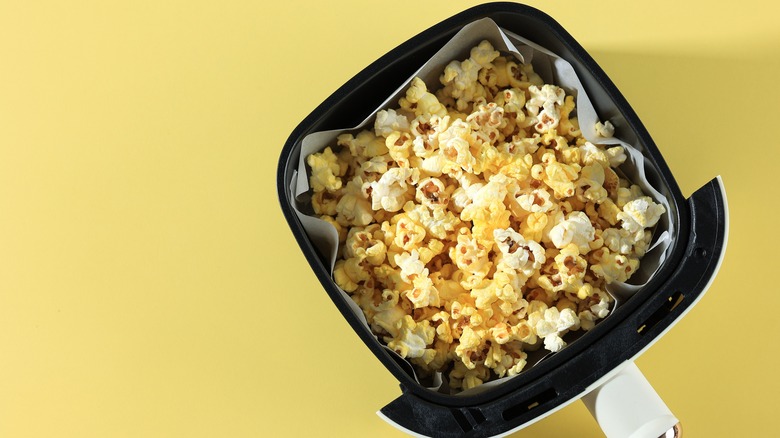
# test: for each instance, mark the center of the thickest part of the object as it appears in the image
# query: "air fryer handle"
(419, 417)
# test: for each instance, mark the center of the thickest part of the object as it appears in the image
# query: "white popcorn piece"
(431, 193)
(551, 324)
(577, 229)
(366, 144)
(470, 341)
(354, 208)
(591, 182)
(376, 165)
(410, 264)
(494, 191)
(423, 292)
(388, 319)
(640, 213)
(626, 195)
(591, 153)
(513, 101)
(466, 193)
(389, 121)
(619, 240)
(461, 75)
(483, 54)
(526, 256)
(420, 101)
(605, 129)
(545, 104)
(616, 155)
(433, 165)
(426, 132)
(601, 309)
(413, 338)
(537, 201)
(486, 121)
(390, 192)
(437, 221)
(613, 267)
(360, 243)
(471, 256)
(455, 146)
(545, 97)
(554, 343)
(571, 269)
(408, 234)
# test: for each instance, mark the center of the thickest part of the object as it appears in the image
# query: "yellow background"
(150, 287)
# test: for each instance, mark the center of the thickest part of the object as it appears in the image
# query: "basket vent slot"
(519, 409)
(667, 307)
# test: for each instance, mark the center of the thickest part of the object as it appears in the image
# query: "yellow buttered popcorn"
(325, 171)
(476, 223)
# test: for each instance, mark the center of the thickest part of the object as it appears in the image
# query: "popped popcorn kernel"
(577, 229)
(419, 100)
(605, 129)
(390, 192)
(476, 223)
(325, 171)
(640, 213)
(413, 338)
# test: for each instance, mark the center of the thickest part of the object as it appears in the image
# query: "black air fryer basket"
(603, 353)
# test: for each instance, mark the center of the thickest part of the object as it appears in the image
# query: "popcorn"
(325, 171)
(362, 245)
(431, 193)
(410, 265)
(388, 320)
(413, 338)
(640, 213)
(476, 223)
(353, 208)
(518, 253)
(571, 268)
(575, 229)
(618, 240)
(419, 101)
(408, 234)
(366, 144)
(545, 103)
(626, 195)
(558, 176)
(438, 223)
(471, 257)
(390, 192)
(616, 155)
(424, 293)
(455, 145)
(389, 121)
(591, 181)
(324, 203)
(613, 267)
(605, 129)
(537, 201)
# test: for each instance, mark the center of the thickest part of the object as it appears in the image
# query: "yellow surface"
(150, 287)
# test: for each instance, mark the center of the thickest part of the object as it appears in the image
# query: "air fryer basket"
(700, 228)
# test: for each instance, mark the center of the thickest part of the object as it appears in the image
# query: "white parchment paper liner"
(553, 70)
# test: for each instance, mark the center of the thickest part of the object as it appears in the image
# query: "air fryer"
(598, 367)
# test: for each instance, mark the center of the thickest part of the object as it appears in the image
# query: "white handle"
(626, 406)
